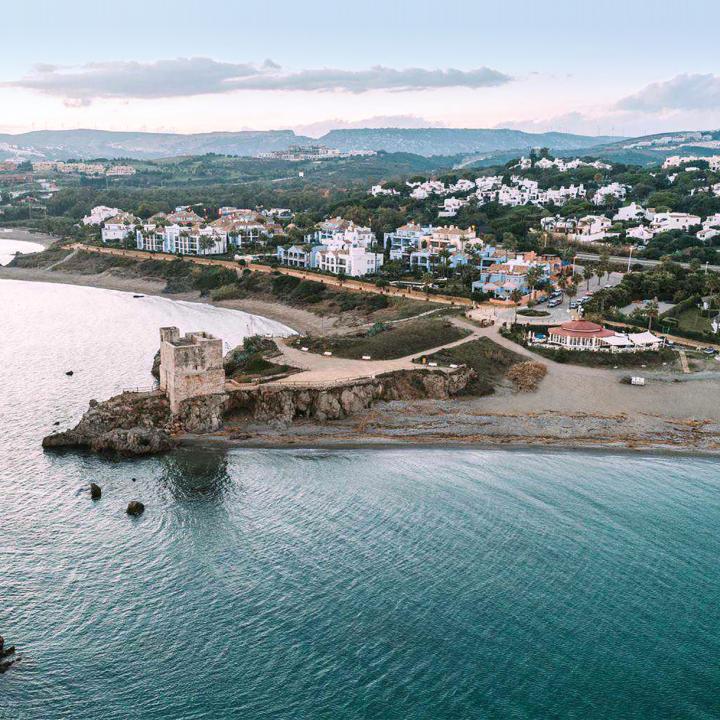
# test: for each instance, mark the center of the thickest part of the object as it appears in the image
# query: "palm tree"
(534, 275)
(652, 311)
(516, 295)
(571, 290)
(562, 284)
(588, 275)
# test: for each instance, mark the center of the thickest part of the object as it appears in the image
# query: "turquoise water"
(385, 584)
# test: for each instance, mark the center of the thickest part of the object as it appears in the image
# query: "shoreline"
(575, 408)
(600, 448)
(297, 319)
(27, 235)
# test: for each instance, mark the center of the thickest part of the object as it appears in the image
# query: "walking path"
(321, 369)
(331, 280)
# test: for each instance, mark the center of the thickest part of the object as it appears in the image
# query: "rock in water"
(5, 666)
(95, 491)
(69, 372)
(135, 508)
(9, 651)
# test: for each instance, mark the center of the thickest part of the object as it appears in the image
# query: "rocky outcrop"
(95, 491)
(278, 403)
(130, 424)
(142, 423)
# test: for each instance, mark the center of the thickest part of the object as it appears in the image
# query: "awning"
(644, 338)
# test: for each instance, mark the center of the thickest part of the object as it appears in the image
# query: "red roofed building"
(579, 335)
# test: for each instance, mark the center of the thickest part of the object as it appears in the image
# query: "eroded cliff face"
(142, 423)
(283, 404)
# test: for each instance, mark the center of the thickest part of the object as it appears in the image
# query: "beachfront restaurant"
(586, 335)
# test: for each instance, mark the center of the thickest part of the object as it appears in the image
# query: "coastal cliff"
(142, 423)
(284, 403)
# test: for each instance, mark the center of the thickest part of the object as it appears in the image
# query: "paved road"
(640, 261)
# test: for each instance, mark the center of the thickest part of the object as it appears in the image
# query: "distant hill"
(89, 144)
(653, 149)
(447, 141)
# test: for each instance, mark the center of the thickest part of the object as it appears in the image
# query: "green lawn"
(488, 359)
(692, 320)
(396, 341)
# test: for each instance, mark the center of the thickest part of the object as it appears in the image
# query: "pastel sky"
(625, 67)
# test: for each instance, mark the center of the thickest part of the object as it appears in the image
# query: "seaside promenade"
(331, 280)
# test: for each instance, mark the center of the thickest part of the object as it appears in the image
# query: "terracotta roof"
(581, 329)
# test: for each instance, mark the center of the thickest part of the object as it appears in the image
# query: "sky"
(615, 68)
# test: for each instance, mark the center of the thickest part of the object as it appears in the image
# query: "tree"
(534, 275)
(516, 295)
(571, 290)
(588, 275)
(562, 284)
(427, 280)
(652, 311)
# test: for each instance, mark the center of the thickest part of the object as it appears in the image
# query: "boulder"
(8, 651)
(135, 508)
(95, 491)
(69, 373)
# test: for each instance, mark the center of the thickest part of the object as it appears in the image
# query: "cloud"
(683, 92)
(183, 77)
(317, 129)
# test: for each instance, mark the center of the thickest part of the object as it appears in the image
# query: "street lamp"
(632, 247)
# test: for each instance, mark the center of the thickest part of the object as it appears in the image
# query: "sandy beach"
(573, 407)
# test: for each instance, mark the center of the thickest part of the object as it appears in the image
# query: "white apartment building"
(591, 228)
(666, 221)
(613, 189)
(352, 261)
(630, 212)
(118, 228)
(177, 239)
(100, 214)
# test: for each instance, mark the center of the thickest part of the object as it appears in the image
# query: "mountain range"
(89, 144)
(464, 146)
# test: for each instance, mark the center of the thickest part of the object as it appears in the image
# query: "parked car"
(709, 350)
(554, 302)
(573, 304)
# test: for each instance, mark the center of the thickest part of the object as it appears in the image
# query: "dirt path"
(331, 280)
(321, 369)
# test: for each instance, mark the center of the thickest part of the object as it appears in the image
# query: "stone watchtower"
(190, 366)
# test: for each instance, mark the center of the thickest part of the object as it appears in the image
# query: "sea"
(9, 247)
(345, 584)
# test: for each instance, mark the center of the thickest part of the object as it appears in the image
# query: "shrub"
(228, 292)
(526, 376)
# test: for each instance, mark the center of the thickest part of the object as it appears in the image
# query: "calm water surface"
(346, 584)
(9, 247)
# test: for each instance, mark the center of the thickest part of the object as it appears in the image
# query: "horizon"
(312, 69)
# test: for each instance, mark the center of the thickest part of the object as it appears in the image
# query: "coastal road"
(639, 261)
(357, 285)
